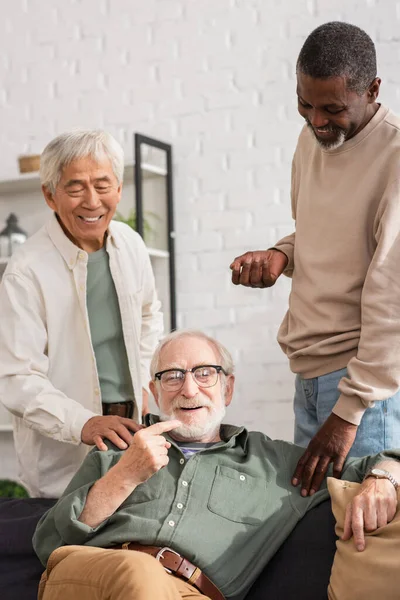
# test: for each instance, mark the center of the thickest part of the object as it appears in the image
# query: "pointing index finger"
(163, 426)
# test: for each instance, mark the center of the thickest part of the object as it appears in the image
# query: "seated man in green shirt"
(193, 508)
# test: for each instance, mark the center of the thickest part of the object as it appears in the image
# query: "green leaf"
(131, 221)
(12, 489)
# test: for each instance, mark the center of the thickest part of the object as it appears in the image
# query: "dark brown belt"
(178, 565)
(119, 409)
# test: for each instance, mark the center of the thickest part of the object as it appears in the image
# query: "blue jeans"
(313, 403)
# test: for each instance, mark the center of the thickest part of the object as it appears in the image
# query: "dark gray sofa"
(299, 571)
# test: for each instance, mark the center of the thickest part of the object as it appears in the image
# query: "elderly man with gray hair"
(79, 317)
(195, 509)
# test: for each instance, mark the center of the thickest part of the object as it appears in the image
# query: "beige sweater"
(344, 260)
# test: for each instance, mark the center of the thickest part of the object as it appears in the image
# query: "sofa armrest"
(20, 568)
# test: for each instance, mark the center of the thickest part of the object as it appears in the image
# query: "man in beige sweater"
(342, 330)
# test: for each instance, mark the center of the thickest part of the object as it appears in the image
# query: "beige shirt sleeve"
(374, 373)
(286, 244)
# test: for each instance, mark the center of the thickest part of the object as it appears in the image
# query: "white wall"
(216, 79)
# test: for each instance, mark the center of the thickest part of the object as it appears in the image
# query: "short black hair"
(339, 49)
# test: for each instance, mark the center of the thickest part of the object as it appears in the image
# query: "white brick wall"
(216, 79)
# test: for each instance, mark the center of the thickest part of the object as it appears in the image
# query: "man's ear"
(230, 386)
(48, 196)
(119, 192)
(154, 391)
(373, 90)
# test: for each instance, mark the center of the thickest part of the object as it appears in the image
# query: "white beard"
(196, 432)
(341, 138)
(333, 145)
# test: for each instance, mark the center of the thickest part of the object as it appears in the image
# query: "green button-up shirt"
(227, 509)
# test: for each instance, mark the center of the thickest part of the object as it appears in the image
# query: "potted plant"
(148, 229)
(12, 489)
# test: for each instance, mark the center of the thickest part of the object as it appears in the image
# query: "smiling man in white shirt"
(80, 318)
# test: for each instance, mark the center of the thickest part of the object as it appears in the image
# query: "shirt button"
(81, 256)
(179, 505)
(171, 523)
(97, 391)
(242, 478)
(182, 461)
(184, 483)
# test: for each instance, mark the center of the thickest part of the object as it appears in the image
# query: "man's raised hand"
(259, 269)
(147, 454)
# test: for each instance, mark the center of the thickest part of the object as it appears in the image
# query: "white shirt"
(48, 374)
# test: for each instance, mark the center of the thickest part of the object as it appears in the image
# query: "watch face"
(378, 472)
(382, 474)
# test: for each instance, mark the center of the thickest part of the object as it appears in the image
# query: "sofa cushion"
(301, 568)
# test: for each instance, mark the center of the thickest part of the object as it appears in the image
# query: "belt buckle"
(160, 554)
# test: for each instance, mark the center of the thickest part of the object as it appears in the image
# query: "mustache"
(196, 402)
(330, 128)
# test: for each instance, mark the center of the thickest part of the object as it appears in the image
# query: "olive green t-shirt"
(106, 330)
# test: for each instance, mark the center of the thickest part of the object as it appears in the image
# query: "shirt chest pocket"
(237, 496)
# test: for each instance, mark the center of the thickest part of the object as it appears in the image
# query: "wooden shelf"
(6, 428)
(155, 253)
(31, 182)
(24, 183)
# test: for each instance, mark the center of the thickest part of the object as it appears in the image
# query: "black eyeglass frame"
(218, 368)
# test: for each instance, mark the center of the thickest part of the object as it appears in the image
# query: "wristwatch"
(382, 474)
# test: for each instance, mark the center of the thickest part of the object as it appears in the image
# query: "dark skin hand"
(259, 269)
(332, 443)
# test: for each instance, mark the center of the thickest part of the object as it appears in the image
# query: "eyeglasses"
(205, 376)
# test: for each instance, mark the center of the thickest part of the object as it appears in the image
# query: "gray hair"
(224, 355)
(339, 49)
(79, 143)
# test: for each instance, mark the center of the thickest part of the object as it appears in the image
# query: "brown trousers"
(86, 573)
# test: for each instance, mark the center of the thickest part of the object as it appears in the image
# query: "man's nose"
(190, 387)
(91, 199)
(317, 118)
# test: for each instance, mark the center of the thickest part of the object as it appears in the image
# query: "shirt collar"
(68, 250)
(112, 235)
(230, 434)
